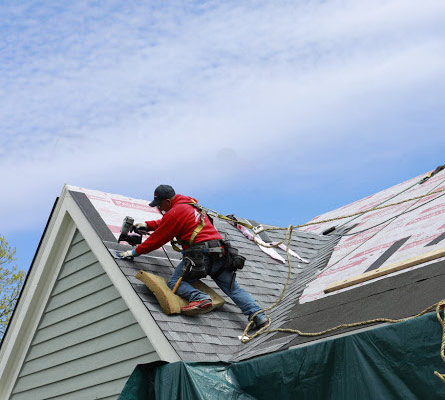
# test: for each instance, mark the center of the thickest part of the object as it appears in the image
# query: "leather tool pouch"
(234, 261)
(195, 265)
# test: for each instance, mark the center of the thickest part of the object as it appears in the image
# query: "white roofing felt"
(420, 220)
(113, 208)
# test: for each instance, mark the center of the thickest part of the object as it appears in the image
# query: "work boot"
(197, 305)
(261, 320)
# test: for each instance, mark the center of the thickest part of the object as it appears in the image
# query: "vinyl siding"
(87, 342)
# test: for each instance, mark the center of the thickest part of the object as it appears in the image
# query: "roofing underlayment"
(358, 244)
(400, 232)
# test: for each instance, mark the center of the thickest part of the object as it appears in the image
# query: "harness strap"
(200, 226)
(195, 231)
(175, 246)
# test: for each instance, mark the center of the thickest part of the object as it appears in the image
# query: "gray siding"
(88, 342)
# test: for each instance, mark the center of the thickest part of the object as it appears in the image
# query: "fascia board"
(35, 295)
(162, 346)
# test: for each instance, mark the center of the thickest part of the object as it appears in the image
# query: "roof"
(357, 244)
(215, 335)
(411, 228)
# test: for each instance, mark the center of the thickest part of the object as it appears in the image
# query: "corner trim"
(162, 346)
(29, 310)
(67, 217)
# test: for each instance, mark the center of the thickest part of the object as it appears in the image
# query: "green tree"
(11, 281)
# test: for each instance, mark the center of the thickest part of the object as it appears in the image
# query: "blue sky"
(277, 111)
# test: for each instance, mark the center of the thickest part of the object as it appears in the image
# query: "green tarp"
(390, 362)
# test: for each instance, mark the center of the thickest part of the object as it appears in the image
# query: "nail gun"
(126, 230)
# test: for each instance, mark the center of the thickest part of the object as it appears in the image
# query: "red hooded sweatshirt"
(180, 222)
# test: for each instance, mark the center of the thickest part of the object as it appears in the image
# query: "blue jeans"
(241, 298)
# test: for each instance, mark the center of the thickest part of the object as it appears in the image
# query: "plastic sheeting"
(390, 362)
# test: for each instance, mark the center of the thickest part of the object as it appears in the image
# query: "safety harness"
(195, 232)
(195, 264)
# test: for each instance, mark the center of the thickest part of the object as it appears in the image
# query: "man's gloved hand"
(140, 226)
(126, 255)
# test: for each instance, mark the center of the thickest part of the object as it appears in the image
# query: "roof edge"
(162, 346)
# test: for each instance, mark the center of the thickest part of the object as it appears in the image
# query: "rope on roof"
(245, 338)
(261, 228)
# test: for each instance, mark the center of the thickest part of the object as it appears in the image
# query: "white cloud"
(106, 95)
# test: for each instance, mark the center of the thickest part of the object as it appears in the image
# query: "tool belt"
(197, 262)
(235, 260)
(198, 259)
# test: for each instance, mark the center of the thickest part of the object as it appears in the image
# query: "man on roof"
(203, 249)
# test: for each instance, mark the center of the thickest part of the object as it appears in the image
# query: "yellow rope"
(288, 236)
(247, 338)
(250, 226)
(362, 212)
(355, 324)
(439, 306)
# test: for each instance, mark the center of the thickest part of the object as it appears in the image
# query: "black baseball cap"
(162, 192)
